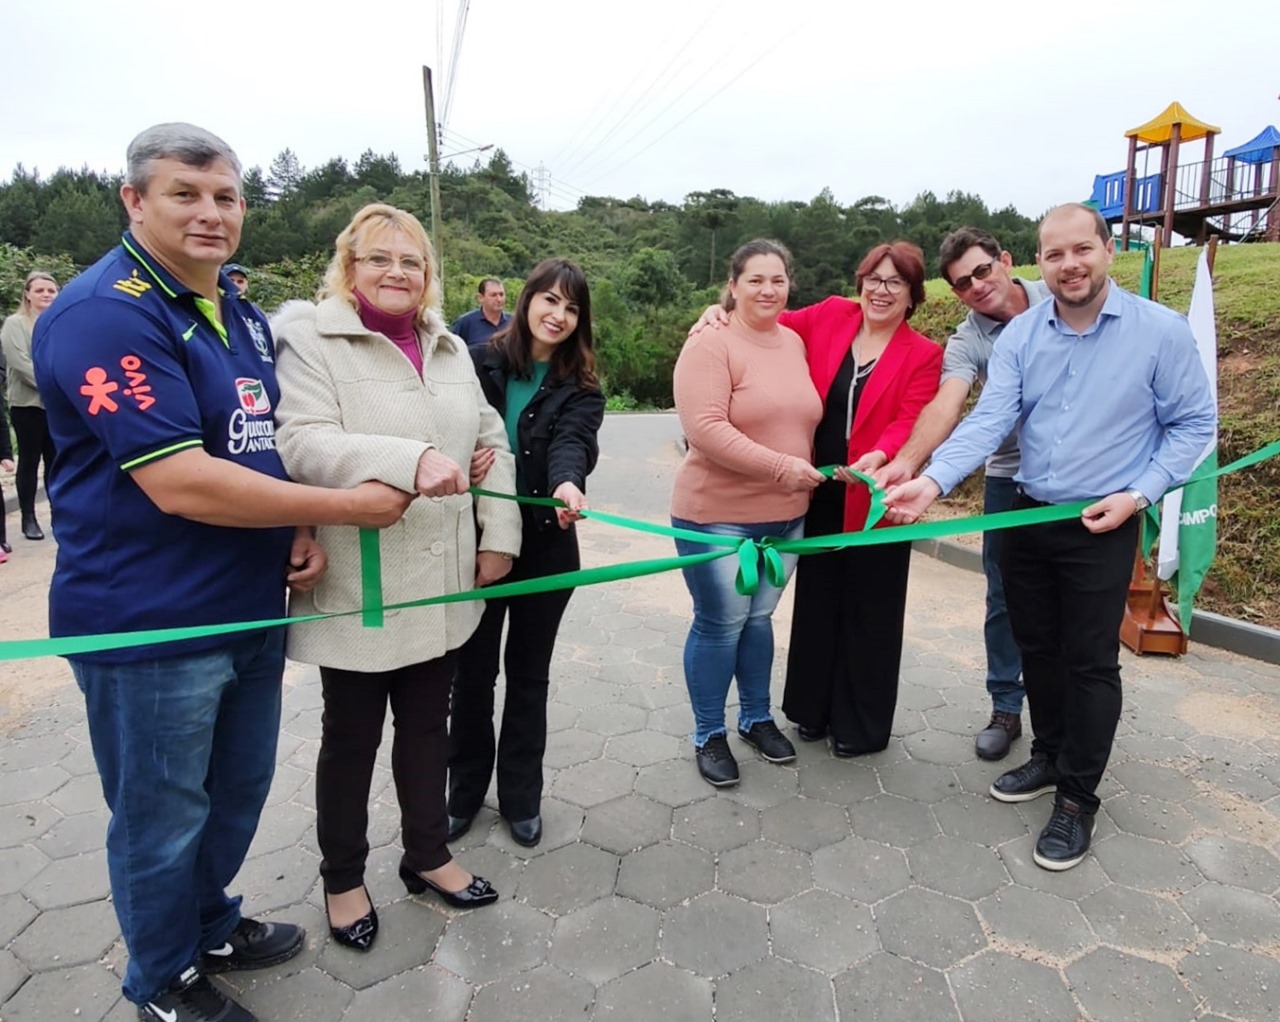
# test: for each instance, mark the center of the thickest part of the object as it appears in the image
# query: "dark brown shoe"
(994, 740)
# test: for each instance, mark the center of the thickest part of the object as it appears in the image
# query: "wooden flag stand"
(1149, 624)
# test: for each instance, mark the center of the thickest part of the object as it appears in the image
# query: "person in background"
(6, 465)
(1109, 398)
(26, 409)
(748, 410)
(239, 276)
(479, 325)
(374, 386)
(539, 374)
(174, 510)
(977, 269)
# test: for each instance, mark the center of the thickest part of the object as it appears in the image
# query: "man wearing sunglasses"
(978, 270)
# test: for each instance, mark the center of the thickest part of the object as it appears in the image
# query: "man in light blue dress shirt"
(1111, 402)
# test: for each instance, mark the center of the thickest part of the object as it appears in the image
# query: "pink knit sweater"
(746, 405)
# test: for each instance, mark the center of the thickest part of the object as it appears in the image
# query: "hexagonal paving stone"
(68, 936)
(1234, 862)
(929, 928)
(12, 974)
(1141, 922)
(310, 994)
(823, 931)
(892, 820)
(805, 823)
(27, 753)
(861, 869)
(69, 881)
(494, 942)
(1147, 865)
(589, 784)
(19, 866)
(666, 874)
(774, 989)
(1232, 982)
(1232, 916)
(921, 782)
(939, 747)
(615, 622)
(716, 824)
(763, 784)
(642, 748)
(79, 795)
(1017, 916)
(674, 783)
(959, 868)
(1116, 987)
(978, 818)
(839, 781)
(653, 693)
(86, 992)
(627, 823)
(765, 872)
(1150, 817)
(568, 878)
(36, 783)
(602, 941)
(1078, 882)
(676, 721)
(571, 746)
(992, 984)
(24, 822)
(1252, 783)
(1154, 781)
(638, 638)
(715, 934)
(657, 991)
(618, 719)
(408, 932)
(588, 693)
(434, 996)
(545, 994)
(277, 879)
(15, 913)
(887, 987)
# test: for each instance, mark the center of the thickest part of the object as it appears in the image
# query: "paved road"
(886, 888)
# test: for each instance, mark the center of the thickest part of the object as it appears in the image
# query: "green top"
(519, 393)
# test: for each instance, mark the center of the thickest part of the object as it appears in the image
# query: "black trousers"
(34, 445)
(532, 623)
(355, 705)
(846, 634)
(1066, 589)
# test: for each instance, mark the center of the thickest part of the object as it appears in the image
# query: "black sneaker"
(1036, 777)
(192, 998)
(767, 740)
(1065, 838)
(254, 945)
(716, 762)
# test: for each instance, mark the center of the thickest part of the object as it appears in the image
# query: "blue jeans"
(1004, 660)
(731, 634)
(186, 748)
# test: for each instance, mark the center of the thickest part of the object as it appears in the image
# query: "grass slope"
(1245, 580)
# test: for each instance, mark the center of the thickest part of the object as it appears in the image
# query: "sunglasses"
(980, 272)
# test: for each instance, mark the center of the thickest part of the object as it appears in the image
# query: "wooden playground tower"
(1235, 196)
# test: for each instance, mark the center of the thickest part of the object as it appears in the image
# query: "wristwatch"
(1140, 502)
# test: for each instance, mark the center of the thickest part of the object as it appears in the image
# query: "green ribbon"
(371, 577)
(749, 553)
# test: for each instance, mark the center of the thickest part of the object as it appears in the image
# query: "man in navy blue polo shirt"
(173, 509)
(478, 325)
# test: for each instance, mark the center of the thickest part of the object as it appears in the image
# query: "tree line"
(653, 265)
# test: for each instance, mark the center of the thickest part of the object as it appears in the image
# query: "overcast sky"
(1021, 104)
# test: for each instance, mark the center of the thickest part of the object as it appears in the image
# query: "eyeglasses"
(893, 285)
(980, 272)
(409, 264)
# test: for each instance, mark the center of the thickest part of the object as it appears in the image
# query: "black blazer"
(556, 433)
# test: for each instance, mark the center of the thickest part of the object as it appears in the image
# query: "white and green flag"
(1189, 517)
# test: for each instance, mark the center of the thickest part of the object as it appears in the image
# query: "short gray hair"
(176, 140)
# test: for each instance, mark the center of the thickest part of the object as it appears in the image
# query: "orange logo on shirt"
(139, 389)
(96, 388)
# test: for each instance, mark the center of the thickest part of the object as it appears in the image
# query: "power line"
(459, 29)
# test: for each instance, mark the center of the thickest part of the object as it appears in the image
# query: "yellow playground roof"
(1160, 129)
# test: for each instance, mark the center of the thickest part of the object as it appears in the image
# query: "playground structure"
(1235, 196)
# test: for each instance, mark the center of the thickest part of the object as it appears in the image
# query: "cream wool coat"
(352, 408)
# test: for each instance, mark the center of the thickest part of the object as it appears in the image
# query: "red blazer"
(904, 380)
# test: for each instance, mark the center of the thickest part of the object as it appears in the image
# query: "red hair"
(907, 259)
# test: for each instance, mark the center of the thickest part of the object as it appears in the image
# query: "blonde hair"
(24, 306)
(373, 219)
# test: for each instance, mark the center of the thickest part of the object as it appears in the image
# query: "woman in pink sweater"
(749, 410)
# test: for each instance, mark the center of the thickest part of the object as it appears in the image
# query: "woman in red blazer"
(874, 375)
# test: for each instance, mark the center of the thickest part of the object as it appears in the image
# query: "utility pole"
(433, 169)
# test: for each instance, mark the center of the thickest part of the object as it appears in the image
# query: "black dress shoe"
(360, 934)
(526, 832)
(767, 740)
(1037, 776)
(993, 741)
(5, 547)
(31, 528)
(811, 733)
(475, 895)
(1066, 837)
(844, 750)
(459, 825)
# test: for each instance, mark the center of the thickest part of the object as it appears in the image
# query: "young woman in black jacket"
(539, 373)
